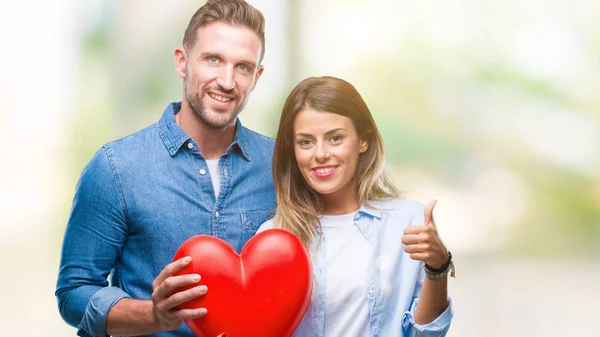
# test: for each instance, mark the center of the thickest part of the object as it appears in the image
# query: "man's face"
(221, 71)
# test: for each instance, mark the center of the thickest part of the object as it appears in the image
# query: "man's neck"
(212, 142)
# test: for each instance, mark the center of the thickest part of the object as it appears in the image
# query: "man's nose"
(226, 79)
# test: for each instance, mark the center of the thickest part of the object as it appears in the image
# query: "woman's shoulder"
(266, 225)
(399, 205)
(399, 213)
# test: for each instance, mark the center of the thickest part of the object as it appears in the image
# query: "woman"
(371, 250)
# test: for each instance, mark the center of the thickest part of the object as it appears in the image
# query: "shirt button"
(202, 171)
(225, 172)
(190, 146)
(216, 214)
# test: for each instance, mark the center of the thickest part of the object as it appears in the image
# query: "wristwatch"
(436, 274)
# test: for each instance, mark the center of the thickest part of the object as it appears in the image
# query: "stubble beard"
(216, 119)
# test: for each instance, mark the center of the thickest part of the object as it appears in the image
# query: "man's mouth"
(219, 98)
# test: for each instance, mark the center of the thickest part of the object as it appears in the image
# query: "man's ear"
(258, 74)
(180, 62)
(364, 146)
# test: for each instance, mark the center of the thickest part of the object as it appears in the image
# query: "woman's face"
(327, 150)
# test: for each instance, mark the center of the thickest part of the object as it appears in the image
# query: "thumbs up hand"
(423, 242)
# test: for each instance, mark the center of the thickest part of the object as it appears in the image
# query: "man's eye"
(244, 67)
(213, 59)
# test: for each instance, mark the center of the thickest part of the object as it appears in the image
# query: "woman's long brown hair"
(298, 205)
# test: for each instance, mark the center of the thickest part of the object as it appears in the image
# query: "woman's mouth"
(324, 171)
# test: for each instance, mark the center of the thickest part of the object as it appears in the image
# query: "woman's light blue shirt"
(394, 280)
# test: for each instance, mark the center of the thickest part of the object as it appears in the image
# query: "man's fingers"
(171, 269)
(167, 288)
(184, 314)
(429, 213)
(186, 295)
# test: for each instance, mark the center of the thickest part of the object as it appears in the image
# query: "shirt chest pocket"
(251, 221)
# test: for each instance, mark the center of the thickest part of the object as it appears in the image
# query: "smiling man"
(196, 171)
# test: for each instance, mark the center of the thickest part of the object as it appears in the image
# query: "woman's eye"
(336, 138)
(304, 143)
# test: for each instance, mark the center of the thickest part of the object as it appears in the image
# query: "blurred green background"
(491, 107)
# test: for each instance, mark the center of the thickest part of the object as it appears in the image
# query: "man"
(196, 171)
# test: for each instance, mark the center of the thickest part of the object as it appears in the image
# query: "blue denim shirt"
(394, 279)
(139, 199)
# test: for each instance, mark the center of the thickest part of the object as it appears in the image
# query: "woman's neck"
(340, 204)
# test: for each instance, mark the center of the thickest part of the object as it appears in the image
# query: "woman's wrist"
(438, 273)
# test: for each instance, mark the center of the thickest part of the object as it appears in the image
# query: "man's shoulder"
(140, 137)
(258, 145)
(133, 148)
(258, 137)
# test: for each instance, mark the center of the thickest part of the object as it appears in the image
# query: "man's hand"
(423, 242)
(167, 315)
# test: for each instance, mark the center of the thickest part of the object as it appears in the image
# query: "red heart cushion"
(263, 292)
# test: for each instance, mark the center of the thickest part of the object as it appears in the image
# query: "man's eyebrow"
(207, 54)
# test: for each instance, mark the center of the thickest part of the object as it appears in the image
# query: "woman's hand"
(423, 242)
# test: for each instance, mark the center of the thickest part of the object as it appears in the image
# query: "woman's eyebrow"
(303, 134)
(334, 131)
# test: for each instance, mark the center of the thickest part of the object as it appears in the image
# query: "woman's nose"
(321, 152)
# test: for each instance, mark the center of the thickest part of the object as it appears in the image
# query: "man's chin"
(218, 123)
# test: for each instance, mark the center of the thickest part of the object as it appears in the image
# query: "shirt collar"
(171, 134)
(174, 137)
(241, 141)
(374, 212)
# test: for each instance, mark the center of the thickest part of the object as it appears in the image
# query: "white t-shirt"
(213, 169)
(347, 254)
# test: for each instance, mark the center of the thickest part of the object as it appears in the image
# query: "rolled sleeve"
(93, 323)
(439, 327)
(94, 237)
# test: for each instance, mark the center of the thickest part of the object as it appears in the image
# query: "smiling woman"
(333, 193)
(327, 150)
(333, 111)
